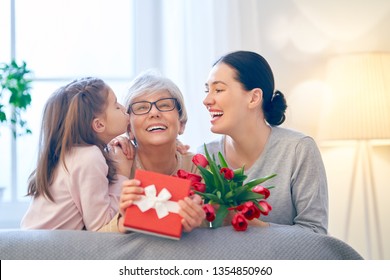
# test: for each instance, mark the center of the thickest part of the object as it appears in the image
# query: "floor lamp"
(358, 108)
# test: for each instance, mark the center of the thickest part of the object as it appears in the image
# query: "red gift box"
(144, 217)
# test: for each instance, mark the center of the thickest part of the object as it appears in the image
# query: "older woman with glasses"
(157, 116)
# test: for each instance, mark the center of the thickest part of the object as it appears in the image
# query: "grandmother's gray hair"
(152, 81)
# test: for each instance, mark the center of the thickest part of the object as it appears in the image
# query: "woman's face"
(155, 127)
(226, 100)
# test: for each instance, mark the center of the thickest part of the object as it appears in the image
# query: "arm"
(309, 187)
(130, 192)
(96, 199)
(124, 168)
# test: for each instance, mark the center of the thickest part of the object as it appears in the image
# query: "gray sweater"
(300, 196)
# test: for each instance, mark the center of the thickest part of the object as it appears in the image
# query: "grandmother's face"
(159, 126)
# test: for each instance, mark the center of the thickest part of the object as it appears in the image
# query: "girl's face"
(116, 119)
(226, 100)
(155, 127)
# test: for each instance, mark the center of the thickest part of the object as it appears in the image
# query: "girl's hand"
(192, 212)
(181, 148)
(123, 163)
(125, 144)
(131, 191)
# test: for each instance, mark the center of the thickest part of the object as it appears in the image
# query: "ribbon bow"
(160, 203)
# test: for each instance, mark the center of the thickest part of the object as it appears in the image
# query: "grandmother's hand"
(131, 191)
(192, 212)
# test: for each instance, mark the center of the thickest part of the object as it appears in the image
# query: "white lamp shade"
(358, 105)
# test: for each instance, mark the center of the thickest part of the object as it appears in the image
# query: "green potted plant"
(15, 86)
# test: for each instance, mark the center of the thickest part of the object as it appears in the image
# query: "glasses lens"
(165, 105)
(144, 107)
(140, 108)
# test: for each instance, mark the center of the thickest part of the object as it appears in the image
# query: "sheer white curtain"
(183, 38)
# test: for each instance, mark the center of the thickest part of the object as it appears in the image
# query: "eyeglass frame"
(176, 105)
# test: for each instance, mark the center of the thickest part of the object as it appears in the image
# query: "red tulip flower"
(182, 174)
(210, 212)
(261, 190)
(199, 186)
(265, 208)
(189, 176)
(227, 173)
(239, 222)
(228, 194)
(250, 210)
(194, 177)
(201, 160)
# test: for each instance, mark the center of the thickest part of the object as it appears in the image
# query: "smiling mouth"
(215, 115)
(156, 128)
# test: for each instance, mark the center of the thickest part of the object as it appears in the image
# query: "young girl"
(76, 184)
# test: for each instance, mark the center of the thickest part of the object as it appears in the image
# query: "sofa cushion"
(269, 243)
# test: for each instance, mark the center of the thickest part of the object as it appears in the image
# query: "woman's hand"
(131, 191)
(192, 212)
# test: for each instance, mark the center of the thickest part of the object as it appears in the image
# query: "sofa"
(271, 243)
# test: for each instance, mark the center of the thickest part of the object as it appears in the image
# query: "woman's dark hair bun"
(274, 110)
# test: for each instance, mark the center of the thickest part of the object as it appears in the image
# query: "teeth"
(157, 127)
(215, 114)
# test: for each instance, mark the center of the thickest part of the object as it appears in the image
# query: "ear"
(130, 133)
(256, 98)
(182, 126)
(98, 126)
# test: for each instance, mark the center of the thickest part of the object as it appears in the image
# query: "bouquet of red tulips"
(224, 190)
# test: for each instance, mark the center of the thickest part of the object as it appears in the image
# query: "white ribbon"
(160, 203)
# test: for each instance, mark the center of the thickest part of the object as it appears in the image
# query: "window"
(59, 40)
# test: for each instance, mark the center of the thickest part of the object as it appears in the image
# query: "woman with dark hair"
(247, 111)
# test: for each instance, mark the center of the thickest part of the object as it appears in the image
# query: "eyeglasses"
(144, 107)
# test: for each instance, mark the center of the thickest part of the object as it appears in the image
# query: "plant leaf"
(218, 181)
(256, 182)
(246, 196)
(207, 176)
(220, 216)
(222, 160)
(210, 197)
